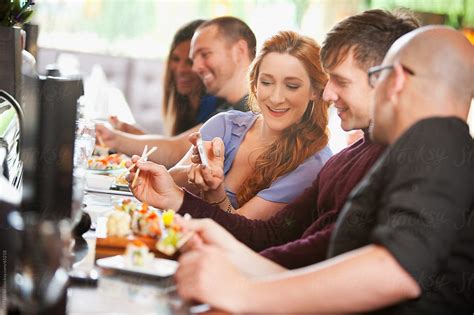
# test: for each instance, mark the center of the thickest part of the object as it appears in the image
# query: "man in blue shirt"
(222, 50)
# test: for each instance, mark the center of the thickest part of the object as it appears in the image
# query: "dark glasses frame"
(374, 73)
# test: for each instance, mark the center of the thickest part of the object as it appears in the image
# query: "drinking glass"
(41, 277)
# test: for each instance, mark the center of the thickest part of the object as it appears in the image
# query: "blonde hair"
(302, 139)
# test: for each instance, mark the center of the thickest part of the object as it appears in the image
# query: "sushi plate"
(159, 267)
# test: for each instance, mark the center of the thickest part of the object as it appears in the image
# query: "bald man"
(403, 243)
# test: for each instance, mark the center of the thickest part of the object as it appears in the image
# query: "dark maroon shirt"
(303, 226)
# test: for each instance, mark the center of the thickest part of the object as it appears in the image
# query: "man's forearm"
(253, 264)
(362, 280)
(170, 149)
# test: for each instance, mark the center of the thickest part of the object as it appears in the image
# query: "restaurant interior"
(70, 68)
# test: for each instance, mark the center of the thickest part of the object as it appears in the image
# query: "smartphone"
(202, 152)
(87, 277)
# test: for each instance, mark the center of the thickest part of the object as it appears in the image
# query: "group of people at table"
(283, 225)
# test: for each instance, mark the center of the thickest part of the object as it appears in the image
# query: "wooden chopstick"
(143, 157)
(186, 237)
(146, 155)
(101, 141)
(134, 164)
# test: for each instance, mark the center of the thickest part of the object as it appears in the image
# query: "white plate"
(110, 191)
(159, 268)
(114, 172)
(123, 187)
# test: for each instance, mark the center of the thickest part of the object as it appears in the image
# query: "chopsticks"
(181, 242)
(141, 159)
(186, 237)
(101, 141)
(144, 157)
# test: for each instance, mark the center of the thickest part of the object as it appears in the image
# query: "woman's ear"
(315, 95)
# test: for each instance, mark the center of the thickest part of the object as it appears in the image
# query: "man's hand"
(106, 136)
(123, 126)
(207, 275)
(154, 185)
(208, 232)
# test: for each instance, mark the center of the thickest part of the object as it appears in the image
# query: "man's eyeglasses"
(374, 73)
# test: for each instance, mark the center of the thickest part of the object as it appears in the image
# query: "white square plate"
(158, 268)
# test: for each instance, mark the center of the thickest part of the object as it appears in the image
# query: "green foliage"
(124, 21)
(301, 7)
(15, 12)
(459, 13)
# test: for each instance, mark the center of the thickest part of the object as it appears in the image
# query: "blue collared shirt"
(231, 127)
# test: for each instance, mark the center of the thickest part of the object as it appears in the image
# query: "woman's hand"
(209, 178)
(154, 185)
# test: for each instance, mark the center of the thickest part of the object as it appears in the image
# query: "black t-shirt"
(417, 202)
(241, 105)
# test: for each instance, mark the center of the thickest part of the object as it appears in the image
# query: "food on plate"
(168, 244)
(143, 220)
(147, 223)
(173, 239)
(100, 150)
(106, 163)
(128, 206)
(118, 224)
(168, 217)
(138, 254)
(121, 180)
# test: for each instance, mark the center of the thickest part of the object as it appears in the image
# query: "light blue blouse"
(232, 127)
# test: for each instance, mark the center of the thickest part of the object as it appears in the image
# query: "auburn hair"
(177, 110)
(301, 140)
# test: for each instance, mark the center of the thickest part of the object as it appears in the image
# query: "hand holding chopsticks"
(154, 185)
(141, 159)
(101, 141)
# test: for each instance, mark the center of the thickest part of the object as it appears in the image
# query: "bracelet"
(229, 208)
(219, 202)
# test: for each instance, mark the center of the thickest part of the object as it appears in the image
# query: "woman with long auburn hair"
(271, 154)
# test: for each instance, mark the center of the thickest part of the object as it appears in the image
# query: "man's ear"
(240, 50)
(396, 83)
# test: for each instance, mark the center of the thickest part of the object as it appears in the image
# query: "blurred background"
(120, 45)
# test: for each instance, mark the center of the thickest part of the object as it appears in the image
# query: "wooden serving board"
(112, 245)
